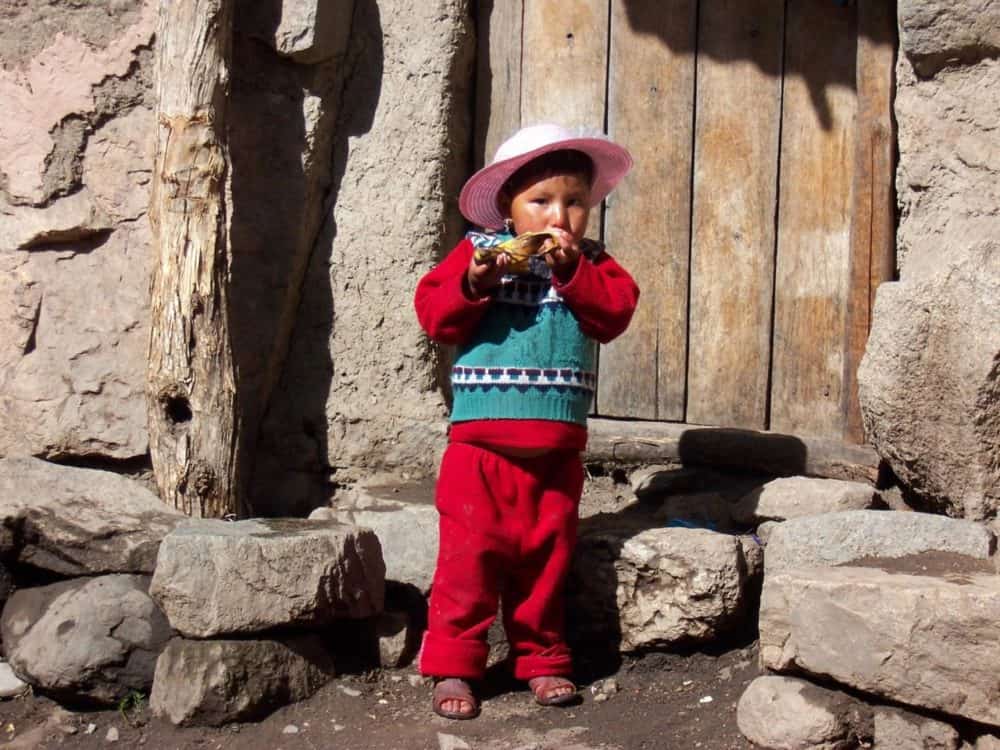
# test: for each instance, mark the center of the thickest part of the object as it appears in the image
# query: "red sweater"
(600, 293)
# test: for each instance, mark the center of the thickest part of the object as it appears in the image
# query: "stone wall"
(930, 380)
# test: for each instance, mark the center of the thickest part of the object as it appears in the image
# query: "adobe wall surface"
(349, 136)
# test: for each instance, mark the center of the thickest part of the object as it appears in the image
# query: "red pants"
(508, 527)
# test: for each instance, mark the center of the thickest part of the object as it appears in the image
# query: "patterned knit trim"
(526, 291)
(562, 377)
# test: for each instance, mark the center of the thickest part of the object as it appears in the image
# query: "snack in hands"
(519, 250)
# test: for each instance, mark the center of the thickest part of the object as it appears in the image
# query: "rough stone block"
(896, 729)
(916, 639)
(656, 587)
(787, 713)
(406, 522)
(209, 683)
(791, 497)
(79, 521)
(214, 578)
(836, 538)
(89, 638)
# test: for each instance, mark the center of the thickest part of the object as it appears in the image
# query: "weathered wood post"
(194, 422)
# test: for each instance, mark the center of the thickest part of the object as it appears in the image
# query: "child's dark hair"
(563, 161)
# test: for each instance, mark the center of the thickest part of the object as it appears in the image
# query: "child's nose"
(560, 215)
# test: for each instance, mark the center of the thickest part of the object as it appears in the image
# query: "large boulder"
(215, 682)
(787, 713)
(79, 521)
(837, 538)
(791, 497)
(88, 638)
(215, 578)
(896, 729)
(930, 382)
(912, 634)
(658, 587)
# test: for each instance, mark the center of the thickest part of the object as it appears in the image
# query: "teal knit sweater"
(528, 358)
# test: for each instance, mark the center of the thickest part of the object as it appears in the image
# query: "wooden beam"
(632, 442)
(194, 421)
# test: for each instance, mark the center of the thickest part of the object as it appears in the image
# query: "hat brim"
(478, 199)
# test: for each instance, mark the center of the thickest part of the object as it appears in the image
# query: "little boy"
(523, 380)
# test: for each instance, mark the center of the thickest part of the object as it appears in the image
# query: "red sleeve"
(445, 310)
(602, 295)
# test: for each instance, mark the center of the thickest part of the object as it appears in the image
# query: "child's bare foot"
(453, 699)
(552, 691)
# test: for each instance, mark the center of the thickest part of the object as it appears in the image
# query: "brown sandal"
(544, 690)
(454, 689)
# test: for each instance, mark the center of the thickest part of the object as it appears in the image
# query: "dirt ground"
(662, 701)
(658, 701)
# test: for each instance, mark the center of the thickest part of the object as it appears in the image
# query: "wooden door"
(758, 219)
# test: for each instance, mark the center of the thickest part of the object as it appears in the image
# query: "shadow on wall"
(805, 39)
(289, 129)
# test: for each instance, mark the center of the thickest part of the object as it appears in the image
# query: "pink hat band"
(478, 200)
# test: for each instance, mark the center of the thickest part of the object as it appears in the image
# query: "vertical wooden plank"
(734, 203)
(873, 220)
(564, 67)
(498, 75)
(565, 62)
(814, 219)
(647, 221)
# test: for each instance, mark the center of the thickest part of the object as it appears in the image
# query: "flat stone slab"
(87, 638)
(209, 683)
(836, 538)
(656, 587)
(79, 521)
(215, 578)
(792, 497)
(917, 638)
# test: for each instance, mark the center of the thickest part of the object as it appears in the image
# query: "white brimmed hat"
(478, 199)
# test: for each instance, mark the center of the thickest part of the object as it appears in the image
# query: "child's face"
(559, 200)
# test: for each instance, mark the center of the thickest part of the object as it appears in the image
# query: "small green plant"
(131, 707)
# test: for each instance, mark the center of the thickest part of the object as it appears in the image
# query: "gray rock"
(397, 640)
(214, 578)
(209, 683)
(836, 538)
(657, 587)
(311, 31)
(791, 497)
(896, 729)
(933, 33)
(79, 521)
(10, 683)
(930, 382)
(406, 523)
(786, 713)
(987, 742)
(94, 638)
(915, 639)
(654, 481)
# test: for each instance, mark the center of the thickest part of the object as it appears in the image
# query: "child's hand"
(483, 276)
(564, 257)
